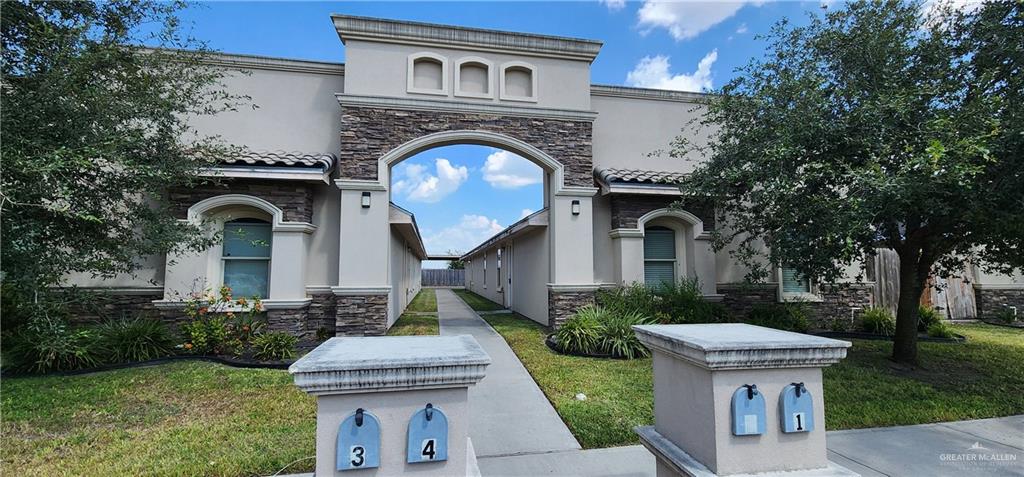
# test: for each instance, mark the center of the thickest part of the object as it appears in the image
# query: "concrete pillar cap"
(723, 346)
(346, 365)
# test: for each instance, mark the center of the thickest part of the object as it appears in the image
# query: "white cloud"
(932, 10)
(525, 213)
(471, 231)
(613, 5)
(506, 170)
(742, 29)
(419, 185)
(653, 72)
(687, 19)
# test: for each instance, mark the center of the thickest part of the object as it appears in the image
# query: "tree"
(873, 126)
(456, 264)
(95, 129)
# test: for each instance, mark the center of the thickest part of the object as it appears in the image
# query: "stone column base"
(564, 301)
(361, 315)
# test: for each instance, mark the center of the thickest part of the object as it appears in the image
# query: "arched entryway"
(560, 146)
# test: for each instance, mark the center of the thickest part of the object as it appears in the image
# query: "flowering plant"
(221, 324)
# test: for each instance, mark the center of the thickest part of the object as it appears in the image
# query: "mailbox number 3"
(428, 451)
(356, 454)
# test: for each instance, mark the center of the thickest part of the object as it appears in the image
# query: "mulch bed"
(861, 335)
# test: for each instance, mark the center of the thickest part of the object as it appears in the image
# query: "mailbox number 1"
(428, 451)
(356, 454)
(798, 421)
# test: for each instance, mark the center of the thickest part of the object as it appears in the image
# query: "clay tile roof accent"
(638, 176)
(321, 161)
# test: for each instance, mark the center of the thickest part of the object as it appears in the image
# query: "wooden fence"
(952, 297)
(440, 277)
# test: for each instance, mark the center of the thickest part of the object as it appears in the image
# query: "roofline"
(507, 231)
(415, 227)
(261, 62)
(350, 27)
(631, 92)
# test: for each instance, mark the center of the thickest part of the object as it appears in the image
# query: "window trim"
(490, 78)
(504, 96)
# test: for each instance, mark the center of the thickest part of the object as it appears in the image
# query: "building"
(341, 258)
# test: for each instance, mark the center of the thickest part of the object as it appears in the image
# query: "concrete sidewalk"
(510, 414)
(986, 447)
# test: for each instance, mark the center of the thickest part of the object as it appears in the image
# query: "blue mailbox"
(747, 411)
(358, 442)
(428, 436)
(796, 409)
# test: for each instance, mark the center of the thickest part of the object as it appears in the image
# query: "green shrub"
(137, 339)
(274, 345)
(784, 316)
(1006, 315)
(51, 344)
(209, 335)
(618, 338)
(247, 325)
(634, 298)
(926, 317)
(582, 332)
(939, 330)
(878, 321)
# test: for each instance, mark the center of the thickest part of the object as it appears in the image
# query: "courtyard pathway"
(510, 414)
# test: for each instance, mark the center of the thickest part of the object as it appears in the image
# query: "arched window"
(246, 257)
(428, 74)
(473, 78)
(659, 256)
(518, 82)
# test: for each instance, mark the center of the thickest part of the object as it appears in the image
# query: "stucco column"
(288, 263)
(738, 399)
(363, 288)
(704, 264)
(571, 232)
(372, 398)
(628, 247)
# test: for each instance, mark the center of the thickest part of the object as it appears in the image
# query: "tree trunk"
(912, 281)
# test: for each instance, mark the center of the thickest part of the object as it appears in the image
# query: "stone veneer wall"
(295, 199)
(562, 305)
(836, 302)
(361, 315)
(628, 208)
(991, 301)
(368, 133)
(97, 306)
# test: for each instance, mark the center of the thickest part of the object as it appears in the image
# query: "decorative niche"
(428, 74)
(474, 78)
(518, 82)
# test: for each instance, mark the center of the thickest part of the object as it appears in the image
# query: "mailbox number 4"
(428, 451)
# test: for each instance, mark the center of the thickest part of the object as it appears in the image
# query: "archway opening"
(482, 209)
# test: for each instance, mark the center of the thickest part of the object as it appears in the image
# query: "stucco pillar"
(571, 219)
(363, 289)
(704, 265)
(389, 383)
(701, 373)
(628, 247)
(288, 256)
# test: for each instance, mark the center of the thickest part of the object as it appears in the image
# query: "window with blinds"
(246, 257)
(659, 256)
(794, 282)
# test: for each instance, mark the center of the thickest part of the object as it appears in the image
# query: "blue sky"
(463, 194)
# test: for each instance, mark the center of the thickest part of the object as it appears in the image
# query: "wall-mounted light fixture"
(366, 200)
(575, 207)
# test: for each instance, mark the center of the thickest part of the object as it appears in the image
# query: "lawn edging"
(234, 363)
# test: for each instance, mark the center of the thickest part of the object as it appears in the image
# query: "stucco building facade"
(342, 259)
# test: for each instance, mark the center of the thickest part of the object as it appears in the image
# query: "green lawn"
(424, 302)
(408, 325)
(477, 302)
(978, 379)
(185, 418)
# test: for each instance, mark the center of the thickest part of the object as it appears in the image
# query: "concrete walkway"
(985, 447)
(510, 414)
